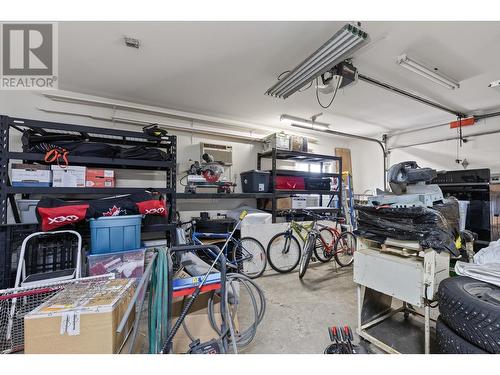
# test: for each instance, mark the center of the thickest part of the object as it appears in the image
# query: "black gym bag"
(77, 145)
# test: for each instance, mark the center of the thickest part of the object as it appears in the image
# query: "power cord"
(281, 74)
(301, 90)
(334, 93)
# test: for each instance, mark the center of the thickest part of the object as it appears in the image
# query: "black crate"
(11, 239)
(45, 253)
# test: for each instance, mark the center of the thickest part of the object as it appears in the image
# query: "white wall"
(368, 166)
(27, 104)
(480, 152)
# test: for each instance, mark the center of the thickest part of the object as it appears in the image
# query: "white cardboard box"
(72, 176)
(31, 173)
(299, 202)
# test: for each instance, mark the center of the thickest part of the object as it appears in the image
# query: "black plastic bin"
(255, 181)
(220, 225)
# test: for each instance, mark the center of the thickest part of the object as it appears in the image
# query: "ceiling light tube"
(338, 48)
(321, 67)
(428, 73)
(292, 120)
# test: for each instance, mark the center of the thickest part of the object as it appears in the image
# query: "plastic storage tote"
(115, 233)
(27, 210)
(255, 181)
(290, 183)
(124, 264)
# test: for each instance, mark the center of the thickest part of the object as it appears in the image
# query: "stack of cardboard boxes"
(34, 175)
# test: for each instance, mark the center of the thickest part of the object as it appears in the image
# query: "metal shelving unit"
(276, 155)
(224, 195)
(94, 134)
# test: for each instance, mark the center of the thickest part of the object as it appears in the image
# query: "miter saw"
(206, 177)
(409, 189)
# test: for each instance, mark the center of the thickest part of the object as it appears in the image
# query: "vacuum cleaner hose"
(258, 301)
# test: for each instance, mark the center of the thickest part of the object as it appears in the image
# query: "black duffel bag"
(77, 145)
(142, 153)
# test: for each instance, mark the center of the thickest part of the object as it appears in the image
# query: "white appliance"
(222, 154)
(396, 269)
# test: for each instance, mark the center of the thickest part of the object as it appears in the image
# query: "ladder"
(348, 200)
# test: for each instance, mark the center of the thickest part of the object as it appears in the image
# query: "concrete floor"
(299, 311)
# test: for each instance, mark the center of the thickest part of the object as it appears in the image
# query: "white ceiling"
(224, 68)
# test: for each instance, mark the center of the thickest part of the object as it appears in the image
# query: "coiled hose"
(257, 298)
(158, 302)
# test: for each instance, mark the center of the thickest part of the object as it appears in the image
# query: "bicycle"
(248, 256)
(284, 250)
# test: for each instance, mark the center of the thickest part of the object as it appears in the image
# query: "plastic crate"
(255, 181)
(115, 233)
(43, 254)
(27, 210)
(124, 264)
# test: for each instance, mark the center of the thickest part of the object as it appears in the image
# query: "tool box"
(313, 183)
(290, 183)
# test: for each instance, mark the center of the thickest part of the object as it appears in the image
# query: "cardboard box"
(100, 178)
(82, 318)
(196, 321)
(299, 203)
(298, 143)
(280, 141)
(71, 176)
(31, 175)
(308, 200)
(281, 204)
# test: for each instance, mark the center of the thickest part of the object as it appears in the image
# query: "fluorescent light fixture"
(338, 48)
(428, 73)
(300, 121)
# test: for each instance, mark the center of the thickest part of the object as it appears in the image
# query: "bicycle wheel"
(306, 255)
(344, 249)
(250, 256)
(325, 254)
(283, 252)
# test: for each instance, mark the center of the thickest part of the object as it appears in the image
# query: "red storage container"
(290, 183)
